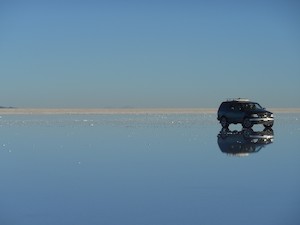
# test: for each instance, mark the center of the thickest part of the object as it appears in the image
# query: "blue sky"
(149, 53)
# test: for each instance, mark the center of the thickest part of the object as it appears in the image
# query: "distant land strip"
(61, 111)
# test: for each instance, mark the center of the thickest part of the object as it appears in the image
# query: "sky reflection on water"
(144, 169)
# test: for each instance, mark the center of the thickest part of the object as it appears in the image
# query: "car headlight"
(254, 115)
(272, 115)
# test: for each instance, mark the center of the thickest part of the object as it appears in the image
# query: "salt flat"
(50, 111)
(61, 111)
(134, 169)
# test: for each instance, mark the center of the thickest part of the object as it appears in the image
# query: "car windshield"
(251, 106)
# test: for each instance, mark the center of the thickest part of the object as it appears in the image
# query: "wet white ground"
(144, 169)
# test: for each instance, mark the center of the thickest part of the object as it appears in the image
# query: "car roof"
(238, 100)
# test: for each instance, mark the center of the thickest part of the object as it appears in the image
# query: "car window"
(236, 107)
(251, 106)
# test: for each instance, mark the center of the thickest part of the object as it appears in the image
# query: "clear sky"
(149, 53)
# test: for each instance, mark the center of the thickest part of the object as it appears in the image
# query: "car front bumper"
(262, 120)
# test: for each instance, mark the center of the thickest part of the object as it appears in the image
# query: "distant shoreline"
(103, 111)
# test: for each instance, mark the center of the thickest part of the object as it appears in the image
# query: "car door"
(236, 113)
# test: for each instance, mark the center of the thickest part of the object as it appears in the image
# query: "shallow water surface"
(151, 169)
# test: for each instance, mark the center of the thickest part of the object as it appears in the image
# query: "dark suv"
(245, 112)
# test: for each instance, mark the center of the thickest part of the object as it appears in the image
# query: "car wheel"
(268, 131)
(247, 133)
(247, 123)
(224, 122)
(223, 133)
(268, 125)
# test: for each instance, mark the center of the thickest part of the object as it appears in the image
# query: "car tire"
(268, 125)
(247, 133)
(224, 123)
(269, 131)
(247, 123)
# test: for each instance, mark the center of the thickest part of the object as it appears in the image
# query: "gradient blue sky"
(149, 53)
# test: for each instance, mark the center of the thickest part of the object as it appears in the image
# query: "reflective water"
(147, 169)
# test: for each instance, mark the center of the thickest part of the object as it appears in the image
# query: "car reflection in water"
(244, 142)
